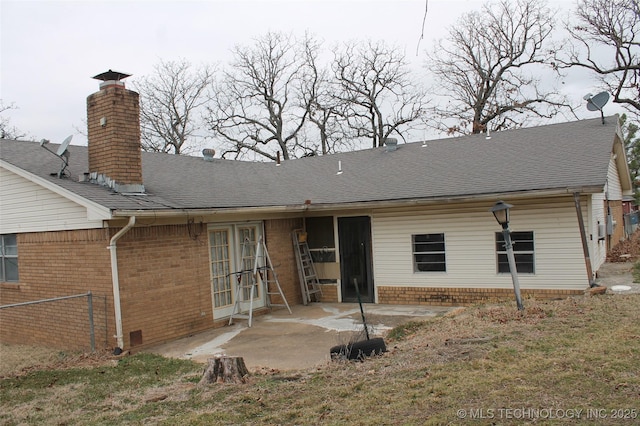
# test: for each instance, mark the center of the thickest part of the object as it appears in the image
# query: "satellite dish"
(61, 153)
(597, 102)
(63, 146)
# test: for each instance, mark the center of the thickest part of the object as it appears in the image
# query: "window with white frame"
(8, 258)
(523, 251)
(429, 253)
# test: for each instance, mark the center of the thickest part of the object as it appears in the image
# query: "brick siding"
(56, 264)
(460, 296)
(329, 293)
(114, 149)
(165, 288)
(280, 246)
(165, 284)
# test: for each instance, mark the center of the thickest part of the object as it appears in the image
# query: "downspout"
(115, 279)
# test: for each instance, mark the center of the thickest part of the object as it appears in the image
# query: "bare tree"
(631, 135)
(256, 106)
(375, 84)
(7, 131)
(487, 68)
(169, 102)
(612, 26)
(326, 111)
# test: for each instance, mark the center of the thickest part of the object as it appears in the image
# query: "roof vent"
(208, 154)
(391, 144)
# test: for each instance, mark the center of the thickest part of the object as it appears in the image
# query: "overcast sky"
(51, 49)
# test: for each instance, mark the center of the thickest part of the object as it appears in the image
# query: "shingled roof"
(558, 157)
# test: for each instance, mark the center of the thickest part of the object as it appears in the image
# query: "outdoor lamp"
(500, 211)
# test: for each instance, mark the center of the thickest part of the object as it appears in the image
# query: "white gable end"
(26, 206)
(614, 188)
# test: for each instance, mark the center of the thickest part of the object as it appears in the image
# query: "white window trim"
(515, 251)
(413, 253)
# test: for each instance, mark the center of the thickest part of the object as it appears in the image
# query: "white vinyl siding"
(470, 236)
(614, 188)
(28, 207)
(598, 248)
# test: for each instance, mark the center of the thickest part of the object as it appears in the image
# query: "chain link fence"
(631, 221)
(76, 322)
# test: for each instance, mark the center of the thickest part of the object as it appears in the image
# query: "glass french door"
(232, 251)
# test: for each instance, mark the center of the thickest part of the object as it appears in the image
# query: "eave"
(363, 205)
(95, 211)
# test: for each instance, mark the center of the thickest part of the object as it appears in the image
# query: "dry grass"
(575, 354)
(16, 358)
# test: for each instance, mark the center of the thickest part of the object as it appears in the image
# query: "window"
(522, 251)
(8, 258)
(320, 239)
(220, 267)
(429, 253)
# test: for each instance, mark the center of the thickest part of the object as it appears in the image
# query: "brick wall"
(165, 288)
(165, 285)
(329, 293)
(280, 247)
(460, 296)
(55, 264)
(114, 148)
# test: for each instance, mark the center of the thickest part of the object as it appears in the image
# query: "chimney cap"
(111, 76)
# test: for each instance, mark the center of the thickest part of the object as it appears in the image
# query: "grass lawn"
(572, 361)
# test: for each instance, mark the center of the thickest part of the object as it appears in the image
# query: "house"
(155, 238)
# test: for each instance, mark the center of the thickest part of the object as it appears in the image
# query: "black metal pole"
(364, 321)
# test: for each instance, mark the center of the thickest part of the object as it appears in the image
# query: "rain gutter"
(310, 206)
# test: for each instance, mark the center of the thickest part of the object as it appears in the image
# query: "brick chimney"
(113, 130)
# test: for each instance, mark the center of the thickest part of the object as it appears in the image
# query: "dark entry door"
(354, 235)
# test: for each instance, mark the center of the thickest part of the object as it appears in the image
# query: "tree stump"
(225, 369)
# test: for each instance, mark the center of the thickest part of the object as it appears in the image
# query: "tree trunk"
(225, 369)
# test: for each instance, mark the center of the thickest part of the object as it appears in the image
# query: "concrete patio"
(300, 340)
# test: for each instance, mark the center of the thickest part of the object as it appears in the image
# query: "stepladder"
(250, 283)
(309, 282)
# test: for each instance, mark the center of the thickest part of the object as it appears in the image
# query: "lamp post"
(500, 211)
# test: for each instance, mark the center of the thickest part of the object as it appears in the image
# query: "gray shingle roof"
(556, 156)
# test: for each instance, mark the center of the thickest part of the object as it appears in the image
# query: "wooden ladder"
(309, 283)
